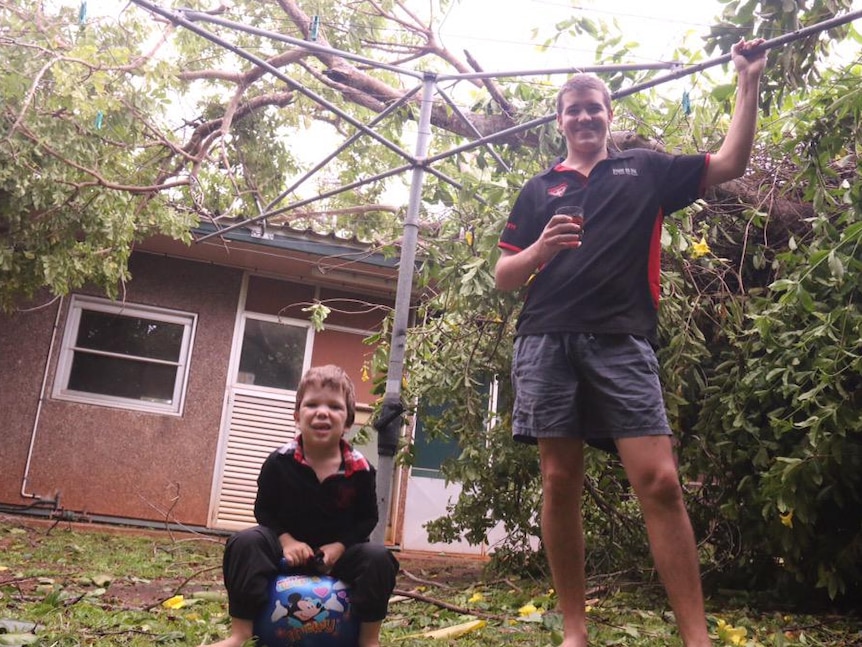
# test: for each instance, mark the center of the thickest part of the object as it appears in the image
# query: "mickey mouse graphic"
(299, 610)
(302, 609)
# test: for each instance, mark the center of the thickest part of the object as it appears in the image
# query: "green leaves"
(72, 159)
(317, 314)
(791, 381)
(760, 339)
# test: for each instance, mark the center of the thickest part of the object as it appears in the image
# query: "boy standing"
(316, 502)
(584, 368)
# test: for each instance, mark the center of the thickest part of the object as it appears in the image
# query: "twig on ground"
(446, 605)
(410, 576)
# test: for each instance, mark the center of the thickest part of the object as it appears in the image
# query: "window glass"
(123, 378)
(429, 453)
(433, 441)
(130, 335)
(272, 354)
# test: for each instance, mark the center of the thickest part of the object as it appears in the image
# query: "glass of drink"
(576, 214)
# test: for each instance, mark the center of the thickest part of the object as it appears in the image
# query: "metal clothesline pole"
(772, 43)
(622, 67)
(188, 17)
(344, 145)
(311, 46)
(390, 419)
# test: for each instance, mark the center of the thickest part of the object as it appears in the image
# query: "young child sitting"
(316, 507)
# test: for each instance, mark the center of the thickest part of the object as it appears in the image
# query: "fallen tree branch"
(450, 607)
(419, 580)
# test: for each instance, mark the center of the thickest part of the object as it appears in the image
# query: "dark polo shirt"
(610, 284)
(291, 499)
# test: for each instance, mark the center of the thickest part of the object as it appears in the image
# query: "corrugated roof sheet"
(284, 236)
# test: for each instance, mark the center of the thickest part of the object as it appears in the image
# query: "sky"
(505, 35)
(500, 33)
(502, 40)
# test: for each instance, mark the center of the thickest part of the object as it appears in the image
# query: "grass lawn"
(68, 586)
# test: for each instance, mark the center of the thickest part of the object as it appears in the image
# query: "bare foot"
(230, 641)
(574, 641)
(240, 631)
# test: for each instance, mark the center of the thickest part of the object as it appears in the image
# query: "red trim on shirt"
(351, 460)
(654, 261)
(562, 168)
(508, 247)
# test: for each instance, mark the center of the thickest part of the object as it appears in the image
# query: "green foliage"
(70, 588)
(317, 313)
(115, 130)
(74, 164)
(780, 418)
(794, 67)
(760, 349)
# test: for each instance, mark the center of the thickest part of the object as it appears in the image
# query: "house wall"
(110, 461)
(114, 462)
(25, 336)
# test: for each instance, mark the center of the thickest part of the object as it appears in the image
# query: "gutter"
(58, 515)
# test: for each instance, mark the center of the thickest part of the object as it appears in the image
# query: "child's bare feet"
(230, 641)
(240, 631)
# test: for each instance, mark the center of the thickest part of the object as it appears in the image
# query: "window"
(273, 353)
(125, 355)
(429, 453)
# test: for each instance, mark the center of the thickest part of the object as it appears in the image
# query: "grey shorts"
(589, 387)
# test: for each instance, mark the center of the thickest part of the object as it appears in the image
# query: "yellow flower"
(729, 634)
(476, 597)
(175, 602)
(530, 613)
(365, 376)
(700, 248)
(787, 518)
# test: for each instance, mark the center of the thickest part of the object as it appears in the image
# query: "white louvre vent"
(259, 423)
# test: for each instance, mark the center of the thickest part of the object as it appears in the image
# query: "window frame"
(81, 303)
